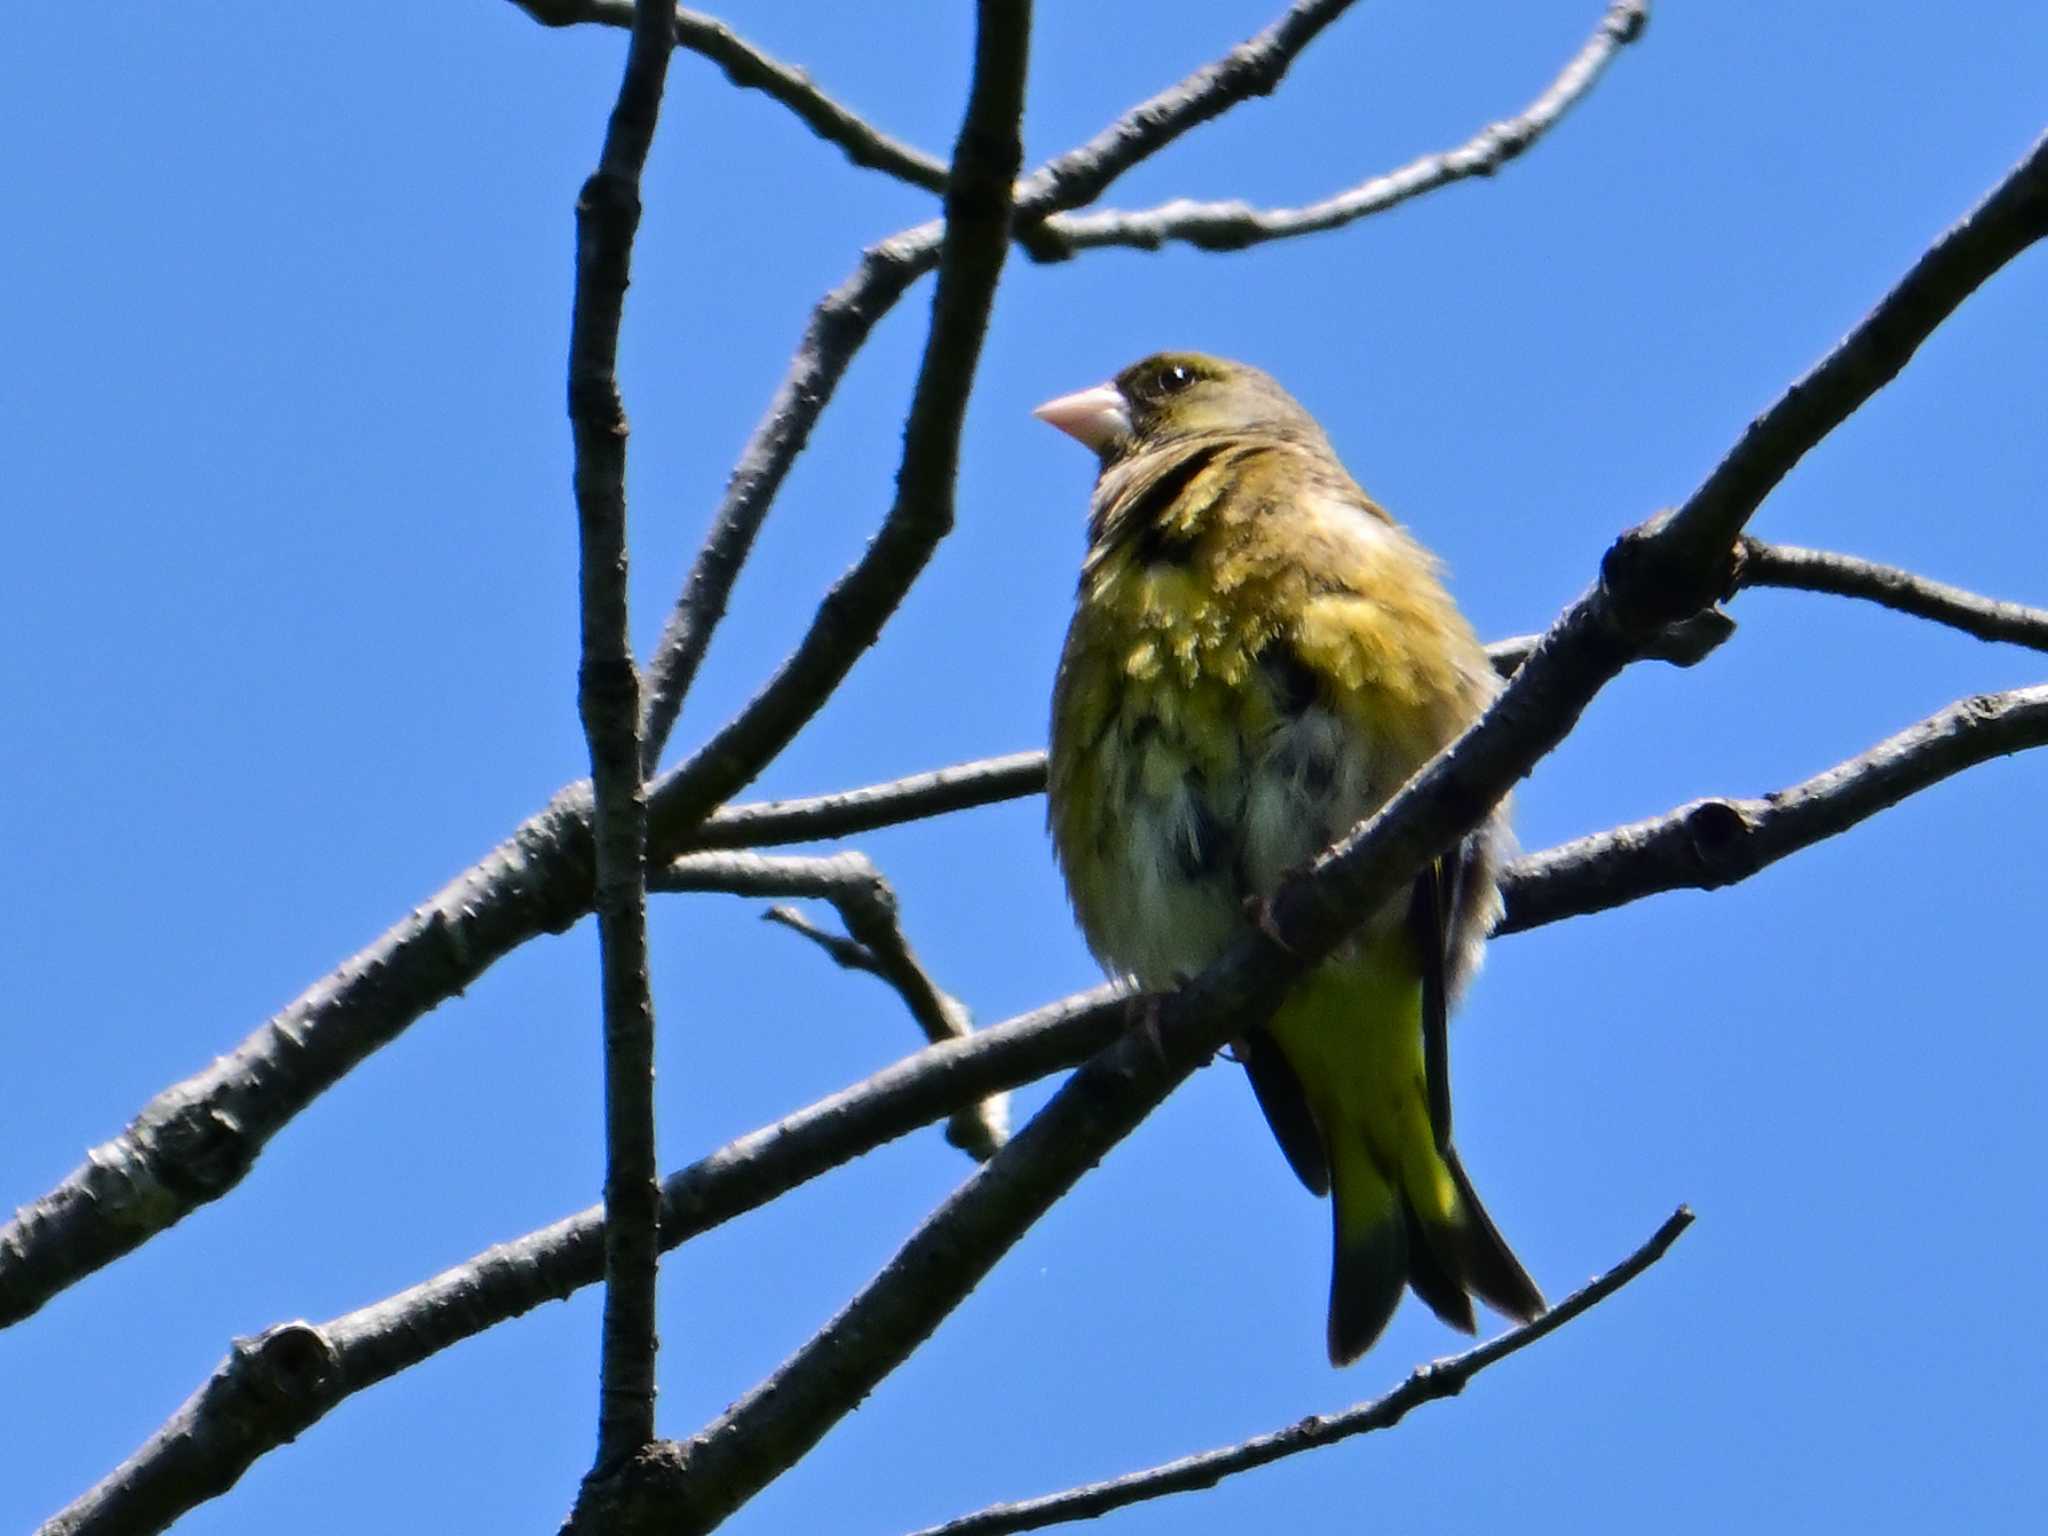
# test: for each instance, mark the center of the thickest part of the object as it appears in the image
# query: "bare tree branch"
(1231, 226)
(991, 780)
(608, 699)
(975, 241)
(838, 327)
(1707, 845)
(749, 68)
(1691, 561)
(843, 319)
(198, 1138)
(847, 954)
(262, 1395)
(1716, 842)
(963, 786)
(236, 1418)
(1425, 1384)
(1816, 570)
(195, 1141)
(868, 907)
(1683, 643)
(1253, 68)
(1662, 571)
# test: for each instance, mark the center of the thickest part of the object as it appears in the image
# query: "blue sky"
(292, 592)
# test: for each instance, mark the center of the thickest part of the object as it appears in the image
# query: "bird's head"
(1173, 397)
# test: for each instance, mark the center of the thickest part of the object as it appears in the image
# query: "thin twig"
(1817, 570)
(763, 823)
(748, 67)
(1425, 1384)
(847, 954)
(1253, 68)
(1234, 225)
(841, 323)
(1665, 570)
(1716, 842)
(848, 621)
(751, 69)
(991, 780)
(838, 327)
(868, 907)
(608, 699)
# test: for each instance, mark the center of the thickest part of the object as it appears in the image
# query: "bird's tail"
(1421, 1226)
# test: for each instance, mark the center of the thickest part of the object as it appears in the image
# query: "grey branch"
(974, 242)
(838, 327)
(1716, 842)
(991, 780)
(1234, 225)
(961, 787)
(214, 1438)
(1425, 1384)
(608, 700)
(198, 1138)
(1665, 570)
(234, 1419)
(841, 324)
(868, 907)
(1692, 560)
(1253, 68)
(749, 68)
(1817, 570)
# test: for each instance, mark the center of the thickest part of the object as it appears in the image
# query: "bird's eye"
(1174, 378)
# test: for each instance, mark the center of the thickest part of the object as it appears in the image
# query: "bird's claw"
(1260, 910)
(1145, 1024)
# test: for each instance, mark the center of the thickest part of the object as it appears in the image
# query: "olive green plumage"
(1259, 657)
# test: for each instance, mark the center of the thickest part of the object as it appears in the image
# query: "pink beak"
(1097, 417)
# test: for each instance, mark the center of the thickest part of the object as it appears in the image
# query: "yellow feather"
(1259, 657)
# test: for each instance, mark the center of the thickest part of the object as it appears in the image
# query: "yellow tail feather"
(1404, 1214)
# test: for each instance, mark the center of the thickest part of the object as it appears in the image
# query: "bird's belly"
(1193, 823)
(1171, 892)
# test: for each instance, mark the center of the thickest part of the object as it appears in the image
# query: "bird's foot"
(1145, 1011)
(1259, 909)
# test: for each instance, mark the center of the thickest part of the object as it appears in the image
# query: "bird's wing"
(1432, 915)
(1285, 1105)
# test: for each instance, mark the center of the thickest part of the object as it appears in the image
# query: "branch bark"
(1235, 225)
(1716, 842)
(1712, 843)
(1817, 570)
(750, 68)
(1659, 573)
(1425, 1384)
(991, 780)
(198, 1138)
(867, 905)
(608, 699)
(842, 321)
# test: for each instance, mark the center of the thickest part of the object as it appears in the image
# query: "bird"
(1259, 656)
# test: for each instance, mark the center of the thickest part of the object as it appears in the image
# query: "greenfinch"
(1259, 657)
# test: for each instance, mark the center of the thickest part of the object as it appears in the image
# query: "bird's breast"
(1197, 759)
